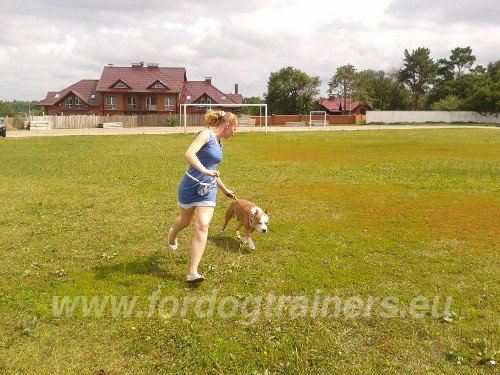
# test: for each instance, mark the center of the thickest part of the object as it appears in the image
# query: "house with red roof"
(138, 89)
(336, 106)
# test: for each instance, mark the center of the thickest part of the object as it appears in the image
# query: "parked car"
(3, 131)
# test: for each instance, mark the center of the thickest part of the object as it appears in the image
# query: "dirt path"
(241, 129)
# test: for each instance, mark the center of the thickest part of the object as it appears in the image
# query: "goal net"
(316, 121)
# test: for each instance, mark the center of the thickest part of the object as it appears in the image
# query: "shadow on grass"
(225, 242)
(141, 266)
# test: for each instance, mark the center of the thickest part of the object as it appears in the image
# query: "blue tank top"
(210, 155)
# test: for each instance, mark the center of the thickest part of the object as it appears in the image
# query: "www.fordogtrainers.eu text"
(248, 309)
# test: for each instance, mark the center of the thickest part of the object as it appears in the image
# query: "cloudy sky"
(48, 45)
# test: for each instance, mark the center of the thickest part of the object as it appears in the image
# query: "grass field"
(385, 216)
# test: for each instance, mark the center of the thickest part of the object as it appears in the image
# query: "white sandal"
(196, 278)
(172, 247)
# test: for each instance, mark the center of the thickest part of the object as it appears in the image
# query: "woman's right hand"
(212, 173)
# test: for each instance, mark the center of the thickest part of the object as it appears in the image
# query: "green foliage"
(253, 111)
(418, 72)
(19, 108)
(450, 103)
(6, 109)
(171, 121)
(343, 82)
(291, 91)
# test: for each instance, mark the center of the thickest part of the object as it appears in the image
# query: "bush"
(171, 121)
(20, 123)
(450, 103)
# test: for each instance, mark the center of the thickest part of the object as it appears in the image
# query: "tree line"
(421, 83)
(19, 108)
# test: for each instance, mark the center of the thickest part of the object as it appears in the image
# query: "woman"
(198, 187)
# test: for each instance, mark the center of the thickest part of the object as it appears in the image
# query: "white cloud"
(46, 45)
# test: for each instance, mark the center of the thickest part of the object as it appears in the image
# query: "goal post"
(215, 105)
(311, 113)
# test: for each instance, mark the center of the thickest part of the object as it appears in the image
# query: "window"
(111, 101)
(169, 104)
(131, 102)
(121, 85)
(158, 85)
(69, 102)
(151, 103)
(205, 108)
(78, 102)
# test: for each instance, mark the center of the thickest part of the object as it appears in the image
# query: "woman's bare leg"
(203, 216)
(180, 223)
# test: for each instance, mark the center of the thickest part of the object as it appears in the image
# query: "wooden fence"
(93, 121)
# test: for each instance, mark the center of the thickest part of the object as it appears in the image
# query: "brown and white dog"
(248, 215)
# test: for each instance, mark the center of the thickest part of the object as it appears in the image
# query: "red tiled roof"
(237, 98)
(193, 90)
(335, 105)
(84, 89)
(140, 78)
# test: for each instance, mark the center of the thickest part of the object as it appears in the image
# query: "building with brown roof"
(336, 106)
(138, 89)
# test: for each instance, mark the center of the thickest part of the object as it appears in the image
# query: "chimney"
(153, 65)
(208, 80)
(235, 88)
(110, 65)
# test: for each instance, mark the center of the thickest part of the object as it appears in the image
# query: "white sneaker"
(195, 278)
(172, 247)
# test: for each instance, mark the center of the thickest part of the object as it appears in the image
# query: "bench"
(292, 123)
(40, 125)
(112, 125)
(246, 122)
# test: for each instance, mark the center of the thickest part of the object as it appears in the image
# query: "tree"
(343, 82)
(485, 94)
(462, 59)
(373, 87)
(291, 91)
(399, 97)
(254, 111)
(450, 103)
(6, 109)
(455, 78)
(418, 73)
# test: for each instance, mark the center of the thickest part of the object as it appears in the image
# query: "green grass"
(374, 213)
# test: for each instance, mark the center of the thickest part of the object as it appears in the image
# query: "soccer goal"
(215, 105)
(317, 122)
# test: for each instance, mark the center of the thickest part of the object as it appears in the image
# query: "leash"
(250, 220)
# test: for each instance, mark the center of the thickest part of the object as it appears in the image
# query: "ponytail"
(214, 118)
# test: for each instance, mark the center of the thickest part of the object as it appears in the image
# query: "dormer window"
(121, 85)
(69, 102)
(158, 85)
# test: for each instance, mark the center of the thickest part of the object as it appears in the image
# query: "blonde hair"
(214, 118)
